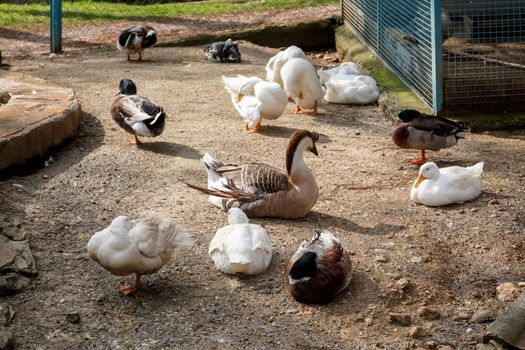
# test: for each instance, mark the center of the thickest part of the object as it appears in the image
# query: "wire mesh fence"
(476, 61)
(399, 32)
(483, 54)
(24, 25)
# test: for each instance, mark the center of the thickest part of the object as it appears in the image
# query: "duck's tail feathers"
(229, 192)
(211, 163)
(464, 131)
(174, 235)
(477, 169)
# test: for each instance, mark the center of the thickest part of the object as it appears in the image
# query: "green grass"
(93, 11)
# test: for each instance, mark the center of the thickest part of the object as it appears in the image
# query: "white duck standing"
(240, 247)
(140, 246)
(436, 187)
(274, 65)
(255, 100)
(302, 85)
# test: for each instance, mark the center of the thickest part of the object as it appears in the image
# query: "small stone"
(45, 176)
(402, 319)
(445, 347)
(404, 284)
(381, 259)
(73, 317)
(482, 316)
(469, 330)
(427, 313)
(357, 133)
(417, 332)
(6, 314)
(462, 316)
(52, 55)
(507, 292)
(521, 284)
(494, 201)
(416, 260)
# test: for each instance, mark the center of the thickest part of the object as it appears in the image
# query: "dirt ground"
(450, 259)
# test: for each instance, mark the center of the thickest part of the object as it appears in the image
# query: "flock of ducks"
(321, 267)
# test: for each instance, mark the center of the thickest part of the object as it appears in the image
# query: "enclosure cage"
(457, 55)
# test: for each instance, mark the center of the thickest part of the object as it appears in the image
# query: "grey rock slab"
(15, 256)
(509, 327)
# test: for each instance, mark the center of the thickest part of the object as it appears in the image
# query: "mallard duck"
(262, 190)
(319, 270)
(274, 65)
(136, 114)
(240, 247)
(345, 68)
(136, 39)
(302, 85)
(351, 89)
(140, 246)
(415, 130)
(223, 51)
(268, 100)
(435, 187)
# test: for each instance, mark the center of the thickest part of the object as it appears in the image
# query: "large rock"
(37, 116)
(16, 265)
(509, 328)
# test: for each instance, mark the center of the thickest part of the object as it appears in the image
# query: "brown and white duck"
(136, 39)
(319, 270)
(414, 130)
(262, 190)
(136, 114)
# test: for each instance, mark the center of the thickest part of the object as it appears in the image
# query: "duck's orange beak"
(419, 179)
(239, 98)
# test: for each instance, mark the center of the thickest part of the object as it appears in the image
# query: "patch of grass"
(88, 10)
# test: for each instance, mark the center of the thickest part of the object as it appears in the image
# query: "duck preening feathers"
(136, 39)
(414, 130)
(223, 51)
(319, 270)
(136, 114)
(140, 246)
(262, 190)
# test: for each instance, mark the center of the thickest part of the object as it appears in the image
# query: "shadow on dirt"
(171, 149)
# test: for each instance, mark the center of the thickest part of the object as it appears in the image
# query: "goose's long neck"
(297, 169)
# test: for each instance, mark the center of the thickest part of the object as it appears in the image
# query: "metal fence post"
(56, 25)
(437, 57)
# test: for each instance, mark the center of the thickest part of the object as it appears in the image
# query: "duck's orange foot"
(418, 161)
(256, 128)
(297, 110)
(313, 113)
(136, 141)
(128, 289)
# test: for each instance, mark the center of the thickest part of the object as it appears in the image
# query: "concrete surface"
(37, 116)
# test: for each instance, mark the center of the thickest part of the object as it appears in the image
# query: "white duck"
(345, 68)
(240, 247)
(351, 89)
(436, 187)
(302, 85)
(240, 85)
(268, 101)
(274, 65)
(140, 246)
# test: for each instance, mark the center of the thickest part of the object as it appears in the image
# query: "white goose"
(437, 187)
(240, 247)
(262, 190)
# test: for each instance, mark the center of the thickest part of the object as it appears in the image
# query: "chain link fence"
(24, 25)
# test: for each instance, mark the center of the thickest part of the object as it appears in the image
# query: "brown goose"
(319, 270)
(415, 130)
(262, 190)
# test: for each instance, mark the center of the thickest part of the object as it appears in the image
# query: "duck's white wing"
(135, 109)
(145, 236)
(260, 239)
